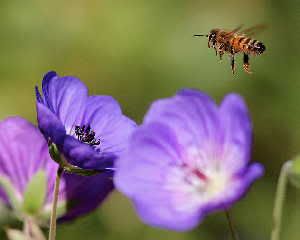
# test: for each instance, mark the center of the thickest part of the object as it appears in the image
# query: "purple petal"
(138, 172)
(85, 193)
(65, 97)
(237, 129)
(112, 128)
(4, 197)
(38, 95)
(253, 172)
(161, 214)
(23, 151)
(85, 156)
(192, 115)
(49, 124)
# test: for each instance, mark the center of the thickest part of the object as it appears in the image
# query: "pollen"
(86, 135)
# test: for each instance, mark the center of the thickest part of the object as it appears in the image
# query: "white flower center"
(197, 182)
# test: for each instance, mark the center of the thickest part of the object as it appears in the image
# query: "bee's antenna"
(200, 35)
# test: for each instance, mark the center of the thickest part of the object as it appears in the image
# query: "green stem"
(52, 231)
(231, 227)
(279, 200)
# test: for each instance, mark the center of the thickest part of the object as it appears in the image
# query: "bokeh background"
(138, 51)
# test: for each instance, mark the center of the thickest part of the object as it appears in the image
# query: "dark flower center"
(86, 135)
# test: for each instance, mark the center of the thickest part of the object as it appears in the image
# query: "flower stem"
(52, 231)
(279, 200)
(231, 227)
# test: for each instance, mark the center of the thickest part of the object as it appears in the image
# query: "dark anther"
(86, 135)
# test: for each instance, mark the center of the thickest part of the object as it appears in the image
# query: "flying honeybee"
(233, 42)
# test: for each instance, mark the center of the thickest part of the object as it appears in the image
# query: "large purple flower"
(23, 154)
(90, 131)
(189, 158)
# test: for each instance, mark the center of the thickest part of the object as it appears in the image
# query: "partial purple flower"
(23, 154)
(90, 131)
(189, 158)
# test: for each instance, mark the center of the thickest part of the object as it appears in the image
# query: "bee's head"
(259, 48)
(213, 34)
(212, 37)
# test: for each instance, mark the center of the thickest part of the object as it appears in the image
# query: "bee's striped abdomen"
(251, 45)
(245, 44)
(239, 43)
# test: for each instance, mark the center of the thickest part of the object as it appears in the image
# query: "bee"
(233, 42)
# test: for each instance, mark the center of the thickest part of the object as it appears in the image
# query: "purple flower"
(90, 131)
(189, 158)
(24, 153)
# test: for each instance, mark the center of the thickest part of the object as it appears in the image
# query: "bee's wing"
(255, 29)
(237, 28)
(229, 34)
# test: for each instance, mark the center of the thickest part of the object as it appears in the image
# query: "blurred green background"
(138, 51)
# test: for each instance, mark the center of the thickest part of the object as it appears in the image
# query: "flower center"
(86, 135)
(192, 188)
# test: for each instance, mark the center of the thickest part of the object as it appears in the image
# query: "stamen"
(199, 174)
(86, 135)
(195, 173)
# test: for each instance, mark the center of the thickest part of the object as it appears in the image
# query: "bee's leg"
(232, 63)
(246, 64)
(221, 49)
(221, 53)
